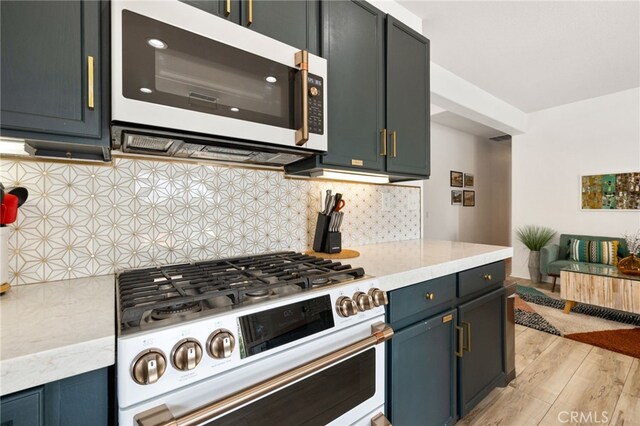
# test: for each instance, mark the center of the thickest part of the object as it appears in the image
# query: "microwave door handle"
(302, 62)
(162, 416)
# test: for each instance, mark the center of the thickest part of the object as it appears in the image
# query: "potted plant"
(534, 238)
(630, 265)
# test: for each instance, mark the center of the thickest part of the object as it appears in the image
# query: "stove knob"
(148, 367)
(221, 344)
(346, 307)
(186, 355)
(379, 297)
(363, 300)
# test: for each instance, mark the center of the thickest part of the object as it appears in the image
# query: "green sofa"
(554, 257)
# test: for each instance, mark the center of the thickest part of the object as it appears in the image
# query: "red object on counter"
(9, 209)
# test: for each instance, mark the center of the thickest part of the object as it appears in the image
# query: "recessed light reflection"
(146, 90)
(234, 109)
(158, 44)
(271, 79)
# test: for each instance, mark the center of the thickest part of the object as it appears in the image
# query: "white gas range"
(283, 338)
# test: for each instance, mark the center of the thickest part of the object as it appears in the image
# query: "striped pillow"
(604, 252)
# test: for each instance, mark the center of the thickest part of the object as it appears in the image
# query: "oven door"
(345, 386)
(178, 67)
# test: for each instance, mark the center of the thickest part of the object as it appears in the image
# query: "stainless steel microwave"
(179, 68)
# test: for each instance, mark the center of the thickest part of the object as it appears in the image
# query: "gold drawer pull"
(384, 142)
(90, 88)
(429, 296)
(488, 277)
(227, 10)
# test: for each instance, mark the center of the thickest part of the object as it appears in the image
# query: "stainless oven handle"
(161, 415)
(302, 61)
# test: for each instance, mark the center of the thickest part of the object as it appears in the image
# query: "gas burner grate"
(224, 282)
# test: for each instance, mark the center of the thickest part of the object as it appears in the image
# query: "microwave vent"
(149, 143)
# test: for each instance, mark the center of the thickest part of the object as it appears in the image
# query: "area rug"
(606, 328)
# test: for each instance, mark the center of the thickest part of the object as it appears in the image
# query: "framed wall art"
(469, 198)
(468, 180)
(614, 191)
(456, 179)
(456, 198)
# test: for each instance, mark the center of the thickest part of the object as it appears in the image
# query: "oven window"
(166, 65)
(316, 400)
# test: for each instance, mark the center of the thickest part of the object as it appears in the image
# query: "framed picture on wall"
(468, 180)
(469, 198)
(456, 198)
(456, 178)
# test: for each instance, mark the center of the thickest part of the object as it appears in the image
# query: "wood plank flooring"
(563, 382)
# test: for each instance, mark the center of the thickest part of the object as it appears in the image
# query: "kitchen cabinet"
(379, 91)
(54, 76)
(423, 372)
(295, 23)
(74, 401)
(449, 348)
(481, 367)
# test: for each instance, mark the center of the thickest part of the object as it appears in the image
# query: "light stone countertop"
(402, 263)
(50, 331)
(54, 330)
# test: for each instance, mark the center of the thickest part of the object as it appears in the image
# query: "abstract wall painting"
(615, 191)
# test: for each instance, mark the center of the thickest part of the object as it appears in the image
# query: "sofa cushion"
(563, 252)
(602, 252)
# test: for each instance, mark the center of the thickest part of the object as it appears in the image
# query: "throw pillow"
(603, 252)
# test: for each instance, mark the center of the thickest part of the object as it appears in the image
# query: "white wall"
(594, 136)
(489, 161)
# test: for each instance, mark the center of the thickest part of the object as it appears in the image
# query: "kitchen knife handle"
(302, 61)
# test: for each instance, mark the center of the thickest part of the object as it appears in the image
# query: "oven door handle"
(162, 416)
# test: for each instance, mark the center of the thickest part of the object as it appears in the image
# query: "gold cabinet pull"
(302, 61)
(488, 277)
(227, 10)
(429, 296)
(468, 327)
(395, 143)
(250, 20)
(460, 330)
(90, 93)
(383, 132)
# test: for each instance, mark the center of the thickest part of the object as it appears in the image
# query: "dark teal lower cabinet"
(75, 401)
(23, 408)
(481, 368)
(422, 388)
(447, 352)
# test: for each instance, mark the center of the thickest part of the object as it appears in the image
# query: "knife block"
(333, 243)
(322, 229)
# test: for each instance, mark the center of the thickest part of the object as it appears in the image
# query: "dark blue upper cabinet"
(294, 22)
(353, 43)
(408, 94)
(54, 74)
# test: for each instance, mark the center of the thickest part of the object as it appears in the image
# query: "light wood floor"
(557, 377)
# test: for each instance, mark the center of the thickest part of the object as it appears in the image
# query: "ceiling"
(455, 121)
(536, 54)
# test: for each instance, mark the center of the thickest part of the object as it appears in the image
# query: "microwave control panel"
(316, 104)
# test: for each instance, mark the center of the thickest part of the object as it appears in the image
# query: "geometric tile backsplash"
(82, 220)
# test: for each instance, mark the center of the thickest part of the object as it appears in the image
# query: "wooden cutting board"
(344, 254)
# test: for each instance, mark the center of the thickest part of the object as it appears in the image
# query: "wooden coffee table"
(600, 286)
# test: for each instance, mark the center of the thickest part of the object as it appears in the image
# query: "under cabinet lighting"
(158, 44)
(271, 79)
(145, 90)
(234, 109)
(353, 177)
(12, 146)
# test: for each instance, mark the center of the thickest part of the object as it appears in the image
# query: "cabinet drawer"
(486, 277)
(22, 408)
(419, 301)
